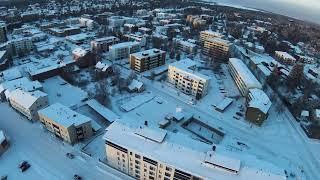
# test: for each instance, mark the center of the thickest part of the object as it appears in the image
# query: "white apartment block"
(183, 76)
(146, 60)
(186, 46)
(65, 123)
(123, 50)
(242, 76)
(139, 38)
(154, 154)
(285, 58)
(217, 48)
(205, 35)
(28, 103)
(102, 44)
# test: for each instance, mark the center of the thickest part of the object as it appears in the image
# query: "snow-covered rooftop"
(182, 152)
(63, 115)
(22, 83)
(10, 74)
(79, 52)
(26, 99)
(185, 65)
(245, 74)
(103, 111)
(146, 53)
(260, 100)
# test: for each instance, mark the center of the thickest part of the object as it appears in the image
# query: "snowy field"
(45, 153)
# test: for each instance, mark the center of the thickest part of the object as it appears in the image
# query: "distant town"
(157, 90)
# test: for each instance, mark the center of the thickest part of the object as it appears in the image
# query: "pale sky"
(301, 9)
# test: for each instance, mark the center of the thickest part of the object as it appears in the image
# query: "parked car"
(70, 156)
(23, 164)
(77, 177)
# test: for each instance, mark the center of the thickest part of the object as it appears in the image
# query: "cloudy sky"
(301, 9)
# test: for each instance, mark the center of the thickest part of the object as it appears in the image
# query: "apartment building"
(4, 61)
(148, 153)
(205, 35)
(21, 46)
(285, 58)
(3, 32)
(186, 46)
(148, 59)
(102, 44)
(242, 76)
(138, 38)
(65, 123)
(4, 143)
(123, 50)
(183, 76)
(258, 105)
(28, 103)
(217, 48)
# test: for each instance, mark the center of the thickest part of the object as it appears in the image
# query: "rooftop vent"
(156, 51)
(145, 54)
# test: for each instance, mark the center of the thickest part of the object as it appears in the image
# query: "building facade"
(218, 49)
(3, 32)
(152, 154)
(242, 76)
(205, 35)
(4, 143)
(186, 46)
(28, 103)
(65, 123)
(285, 58)
(123, 50)
(102, 44)
(183, 76)
(146, 60)
(258, 105)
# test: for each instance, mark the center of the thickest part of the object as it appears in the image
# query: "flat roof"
(102, 110)
(124, 44)
(182, 152)
(185, 64)
(63, 115)
(26, 99)
(147, 53)
(245, 74)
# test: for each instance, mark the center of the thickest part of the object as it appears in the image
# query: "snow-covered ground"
(45, 153)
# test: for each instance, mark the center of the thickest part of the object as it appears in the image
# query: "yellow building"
(65, 123)
(205, 35)
(146, 60)
(217, 48)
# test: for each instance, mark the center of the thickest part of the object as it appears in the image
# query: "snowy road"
(45, 153)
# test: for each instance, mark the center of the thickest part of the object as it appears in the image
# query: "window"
(167, 174)
(168, 169)
(137, 162)
(151, 168)
(137, 156)
(130, 153)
